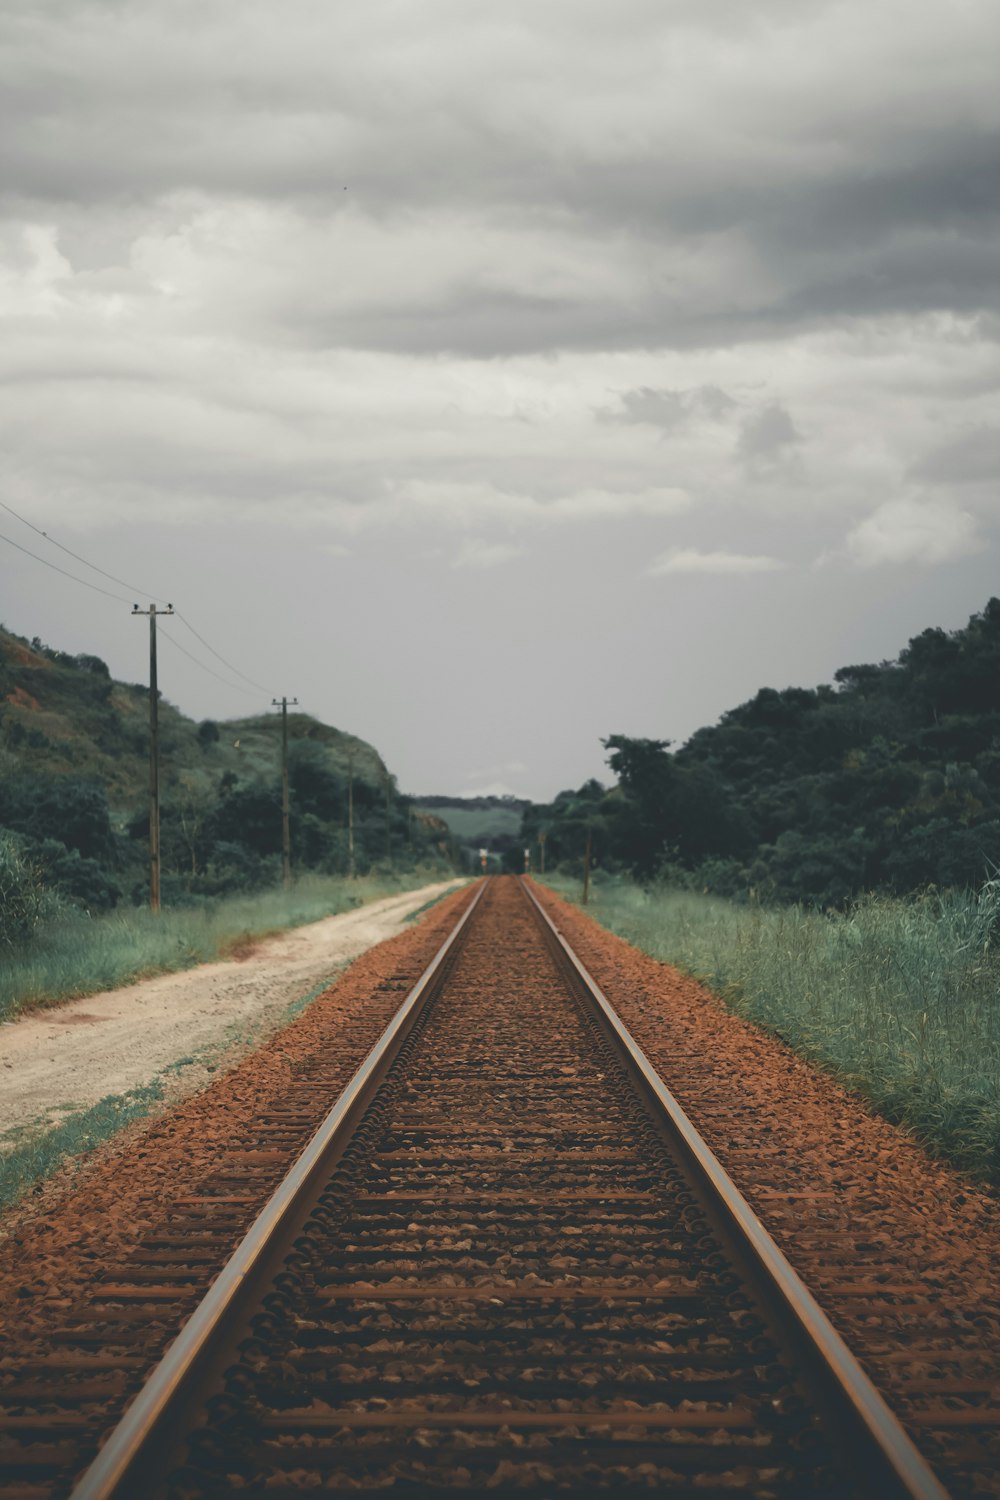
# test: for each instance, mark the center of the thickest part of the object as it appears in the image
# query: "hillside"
(887, 779)
(479, 822)
(74, 769)
(65, 715)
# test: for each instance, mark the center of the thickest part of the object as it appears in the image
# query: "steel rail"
(892, 1463)
(116, 1463)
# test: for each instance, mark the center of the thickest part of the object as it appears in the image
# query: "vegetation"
(74, 779)
(75, 954)
(74, 828)
(898, 998)
(888, 780)
(474, 823)
(39, 1153)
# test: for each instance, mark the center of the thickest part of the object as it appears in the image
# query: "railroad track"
(505, 1260)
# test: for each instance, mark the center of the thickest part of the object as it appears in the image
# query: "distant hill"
(74, 774)
(66, 715)
(489, 821)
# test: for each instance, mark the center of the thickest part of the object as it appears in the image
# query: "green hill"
(887, 779)
(74, 770)
(64, 715)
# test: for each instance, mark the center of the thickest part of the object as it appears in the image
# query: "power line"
(86, 584)
(44, 560)
(93, 566)
(215, 653)
(218, 677)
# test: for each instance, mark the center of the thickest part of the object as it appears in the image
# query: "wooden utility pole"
(154, 756)
(586, 870)
(350, 815)
(286, 838)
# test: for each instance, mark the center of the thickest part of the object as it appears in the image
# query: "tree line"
(888, 779)
(74, 811)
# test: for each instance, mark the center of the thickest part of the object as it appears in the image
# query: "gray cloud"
(669, 409)
(413, 292)
(971, 458)
(768, 440)
(715, 178)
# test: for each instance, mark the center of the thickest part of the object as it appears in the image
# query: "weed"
(74, 954)
(39, 1155)
(898, 998)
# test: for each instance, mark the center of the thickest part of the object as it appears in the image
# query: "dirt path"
(193, 1023)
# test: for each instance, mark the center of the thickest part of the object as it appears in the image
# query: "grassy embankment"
(74, 955)
(79, 956)
(899, 999)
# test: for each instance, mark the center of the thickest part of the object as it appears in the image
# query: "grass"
(40, 1154)
(75, 955)
(900, 999)
(40, 1149)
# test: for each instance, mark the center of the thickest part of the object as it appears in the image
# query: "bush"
(23, 899)
(71, 874)
(59, 807)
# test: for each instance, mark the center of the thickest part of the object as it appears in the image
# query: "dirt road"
(193, 1023)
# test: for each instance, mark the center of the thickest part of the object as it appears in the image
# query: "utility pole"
(286, 839)
(586, 871)
(350, 814)
(541, 853)
(154, 757)
(388, 820)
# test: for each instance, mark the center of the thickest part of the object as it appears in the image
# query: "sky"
(494, 379)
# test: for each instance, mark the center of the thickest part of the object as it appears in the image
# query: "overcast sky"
(495, 378)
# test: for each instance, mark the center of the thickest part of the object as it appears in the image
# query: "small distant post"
(586, 870)
(527, 861)
(154, 756)
(286, 837)
(483, 857)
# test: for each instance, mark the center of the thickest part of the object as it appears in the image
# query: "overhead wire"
(44, 560)
(166, 636)
(70, 553)
(108, 594)
(225, 663)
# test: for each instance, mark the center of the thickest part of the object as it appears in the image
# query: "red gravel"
(824, 1173)
(853, 1201)
(64, 1235)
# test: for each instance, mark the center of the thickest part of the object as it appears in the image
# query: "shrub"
(23, 899)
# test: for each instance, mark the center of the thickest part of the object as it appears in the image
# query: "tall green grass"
(73, 954)
(899, 998)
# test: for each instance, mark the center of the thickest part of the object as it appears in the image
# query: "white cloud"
(690, 560)
(479, 554)
(912, 531)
